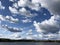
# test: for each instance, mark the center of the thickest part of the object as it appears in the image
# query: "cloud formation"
(26, 20)
(48, 29)
(1, 6)
(15, 8)
(11, 29)
(52, 25)
(9, 19)
(52, 5)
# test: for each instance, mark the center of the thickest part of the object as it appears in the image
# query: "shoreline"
(24, 40)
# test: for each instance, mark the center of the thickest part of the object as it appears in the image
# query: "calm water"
(29, 43)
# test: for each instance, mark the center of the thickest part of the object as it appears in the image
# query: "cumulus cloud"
(22, 3)
(26, 20)
(12, 0)
(11, 29)
(1, 17)
(28, 34)
(48, 36)
(15, 5)
(39, 36)
(9, 19)
(52, 5)
(14, 36)
(37, 27)
(45, 30)
(23, 11)
(13, 10)
(33, 6)
(1, 6)
(52, 25)
(26, 13)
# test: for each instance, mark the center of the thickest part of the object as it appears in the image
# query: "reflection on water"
(29, 43)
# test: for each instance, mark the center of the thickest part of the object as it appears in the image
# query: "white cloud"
(15, 5)
(1, 17)
(23, 4)
(12, 0)
(1, 6)
(12, 19)
(32, 5)
(14, 35)
(51, 36)
(0, 23)
(51, 25)
(29, 37)
(29, 32)
(35, 36)
(24, 12)
(1, 35)
(35, 6)
(21, 11)
(9, 19)
(11, 29)
(37, 27)
(13, 10)
(53, 7)
(26, 21)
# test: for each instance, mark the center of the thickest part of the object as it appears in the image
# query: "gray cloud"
(52, 5)
(52, 25)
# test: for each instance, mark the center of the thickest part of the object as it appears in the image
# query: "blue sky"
(28, 19)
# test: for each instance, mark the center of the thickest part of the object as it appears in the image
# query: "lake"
(29, 43)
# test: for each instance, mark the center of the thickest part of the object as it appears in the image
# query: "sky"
(30, 19)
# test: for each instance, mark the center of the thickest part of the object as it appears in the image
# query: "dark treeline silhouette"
(24, 40)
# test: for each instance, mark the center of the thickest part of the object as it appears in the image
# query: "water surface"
(29, 43)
